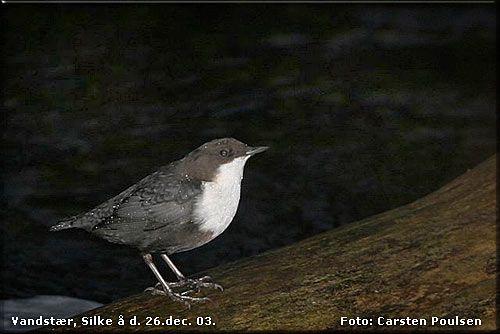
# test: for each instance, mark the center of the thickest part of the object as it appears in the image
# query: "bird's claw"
(202, 282)
(193, 285)
(182, 297)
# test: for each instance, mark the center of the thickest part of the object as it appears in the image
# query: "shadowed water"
(364, 109)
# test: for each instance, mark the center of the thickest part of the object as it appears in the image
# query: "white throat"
(218, 203)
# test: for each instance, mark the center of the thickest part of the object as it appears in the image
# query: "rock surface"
(435, 257)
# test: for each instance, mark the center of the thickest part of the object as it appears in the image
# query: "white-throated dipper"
(182, 206)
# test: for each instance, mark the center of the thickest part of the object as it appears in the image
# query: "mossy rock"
(435, 257)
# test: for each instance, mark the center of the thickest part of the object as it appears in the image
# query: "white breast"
(216, 208)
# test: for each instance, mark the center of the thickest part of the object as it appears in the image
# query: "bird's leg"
(165, 288)
(196, 284)
(172, 266)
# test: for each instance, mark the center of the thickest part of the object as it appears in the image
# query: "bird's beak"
(255, 150)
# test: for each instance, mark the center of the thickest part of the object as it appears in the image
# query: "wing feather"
(158, 201)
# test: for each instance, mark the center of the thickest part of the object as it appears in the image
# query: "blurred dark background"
(365, 108)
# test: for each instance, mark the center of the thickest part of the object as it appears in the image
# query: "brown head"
(203, 162)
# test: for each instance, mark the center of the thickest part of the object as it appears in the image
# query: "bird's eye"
(223, 153)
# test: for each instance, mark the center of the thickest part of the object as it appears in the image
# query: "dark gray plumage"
(183, 205)
(161, 201)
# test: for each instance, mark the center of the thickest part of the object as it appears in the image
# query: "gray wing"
(164, 203)
(156, 202)
(153, 202)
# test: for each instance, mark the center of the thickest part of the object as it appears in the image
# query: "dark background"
(365, 108)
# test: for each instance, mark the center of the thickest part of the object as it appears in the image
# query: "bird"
(181, 206)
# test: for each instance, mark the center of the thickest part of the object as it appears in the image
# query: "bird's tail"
(64, 224)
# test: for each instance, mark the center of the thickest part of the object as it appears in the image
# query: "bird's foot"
(203, 282)
(181, 297)
(194, 284)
